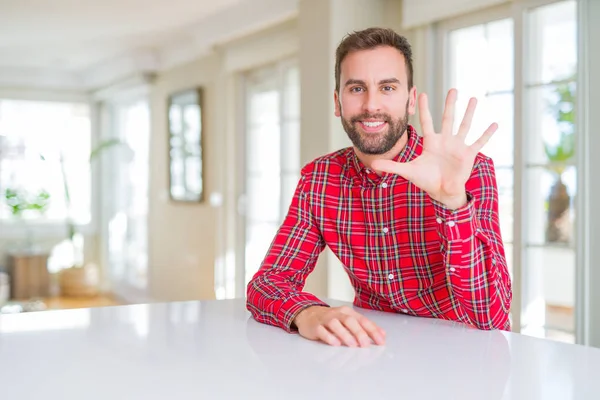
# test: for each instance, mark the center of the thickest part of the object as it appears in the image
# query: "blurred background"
(149, 149)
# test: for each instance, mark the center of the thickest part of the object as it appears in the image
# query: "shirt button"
(391, 276)
(494, 261)
(404, 310)
(384, 185)
(452, 269)
(451, 224)
(385, 230)
(439, 220)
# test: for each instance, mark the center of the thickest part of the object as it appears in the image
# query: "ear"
(412, 100)
(336, 101)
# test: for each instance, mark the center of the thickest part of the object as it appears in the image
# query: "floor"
(560, 325)
(56, 303)
(560, 318)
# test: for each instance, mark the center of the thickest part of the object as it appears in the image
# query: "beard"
(376, 143)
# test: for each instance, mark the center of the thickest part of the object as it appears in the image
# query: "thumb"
(392, 167)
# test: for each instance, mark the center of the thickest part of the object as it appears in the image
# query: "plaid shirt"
(403, 251)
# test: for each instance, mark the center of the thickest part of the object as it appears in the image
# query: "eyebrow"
(361, 82)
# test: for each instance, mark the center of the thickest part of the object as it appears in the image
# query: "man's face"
(374, 100)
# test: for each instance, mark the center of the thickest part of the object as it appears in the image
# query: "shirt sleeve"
(473, 251)
(275, 294)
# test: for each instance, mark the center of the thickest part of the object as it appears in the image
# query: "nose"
(372, 102)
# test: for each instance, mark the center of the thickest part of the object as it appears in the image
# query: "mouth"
(372, 126)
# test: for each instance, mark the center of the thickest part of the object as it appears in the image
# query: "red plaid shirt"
(403, 251)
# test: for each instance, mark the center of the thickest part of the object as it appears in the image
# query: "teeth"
(373, 124)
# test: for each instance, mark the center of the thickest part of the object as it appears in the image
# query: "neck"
(367, 159)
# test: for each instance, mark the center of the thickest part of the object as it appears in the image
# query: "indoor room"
(150, 152)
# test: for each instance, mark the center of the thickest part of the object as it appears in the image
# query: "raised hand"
(445, 165)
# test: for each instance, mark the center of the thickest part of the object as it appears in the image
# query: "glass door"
(272, 156)
(550, 60)
(125, 201)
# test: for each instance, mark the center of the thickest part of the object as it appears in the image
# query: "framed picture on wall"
(186, 168)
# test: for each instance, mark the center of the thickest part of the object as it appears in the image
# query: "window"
(481, 66)
(34, 138)
(272, 155)
(550, 173)
(536, 150)
(125, 225)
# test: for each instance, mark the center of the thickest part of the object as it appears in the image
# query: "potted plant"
(27, 270)
(22, 202)
(559, 156)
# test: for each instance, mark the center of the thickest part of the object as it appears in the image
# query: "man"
(413, 220)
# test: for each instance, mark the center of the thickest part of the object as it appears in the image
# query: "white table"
(214, 350)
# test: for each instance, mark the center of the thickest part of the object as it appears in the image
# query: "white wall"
(181, 235)
(187, 240)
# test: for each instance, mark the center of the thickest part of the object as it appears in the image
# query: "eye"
(388, 88)
(356, 89)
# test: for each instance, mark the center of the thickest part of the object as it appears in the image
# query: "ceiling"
(85, 44)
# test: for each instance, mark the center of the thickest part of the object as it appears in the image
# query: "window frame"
(280, 67)
(106, 105)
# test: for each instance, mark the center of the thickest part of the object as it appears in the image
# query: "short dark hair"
(369, 39)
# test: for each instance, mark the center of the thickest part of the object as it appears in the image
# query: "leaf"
(102, 146)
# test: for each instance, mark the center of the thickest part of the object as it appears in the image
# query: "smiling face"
(374, 99)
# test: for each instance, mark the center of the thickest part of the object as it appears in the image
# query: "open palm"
(446, 162)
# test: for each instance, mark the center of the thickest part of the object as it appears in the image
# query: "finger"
(324, 335)
(352, 324)
(448, 116)
(374, 332)
(425, 116)
(465, 125)
(479, 143)
(342, 333)
(370, 328)
(393, 167)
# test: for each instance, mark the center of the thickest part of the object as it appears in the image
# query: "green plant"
(563, 109)
(20, 201)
